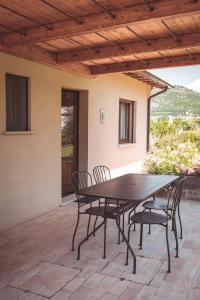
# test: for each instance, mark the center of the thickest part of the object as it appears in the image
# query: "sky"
(184, 76)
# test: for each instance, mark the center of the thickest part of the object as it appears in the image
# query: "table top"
(130, 187)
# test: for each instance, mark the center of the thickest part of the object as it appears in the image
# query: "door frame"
(76, 144)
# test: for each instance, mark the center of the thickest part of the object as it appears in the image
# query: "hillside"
(176, 101)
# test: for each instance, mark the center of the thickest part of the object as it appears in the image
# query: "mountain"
(177, 101)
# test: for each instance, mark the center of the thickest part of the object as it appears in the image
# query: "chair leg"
(95, 223)
(172, 224)
(123, 226)
(129, 214)
(127, 250)
(134, 226)
(141, 235)
(104, 242)
(149, 232)
(75, 230)
(118, 242)
(88, 227)
(179, 217)
(168, 252)
(176, 237)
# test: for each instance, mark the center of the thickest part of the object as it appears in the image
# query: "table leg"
(127, 243)
(86, 238)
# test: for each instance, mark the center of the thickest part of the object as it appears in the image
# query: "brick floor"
(36, 261)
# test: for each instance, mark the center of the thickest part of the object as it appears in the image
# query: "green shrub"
(172, 161)
(176, 147)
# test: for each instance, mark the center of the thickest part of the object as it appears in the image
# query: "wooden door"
(69, 131)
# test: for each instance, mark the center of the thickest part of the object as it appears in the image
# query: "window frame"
(8, 127)
(130, 122)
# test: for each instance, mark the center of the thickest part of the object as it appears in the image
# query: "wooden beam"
(157, 44)
(31, 52)
(102, 21)
(39, 55)
(176, 61)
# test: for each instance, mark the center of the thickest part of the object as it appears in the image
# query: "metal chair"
(103, 209)
(161, 204)
(102, 174)
(152, 218)
(81, 180)
(106, 212)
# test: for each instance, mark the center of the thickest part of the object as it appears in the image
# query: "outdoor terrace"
(36, 261)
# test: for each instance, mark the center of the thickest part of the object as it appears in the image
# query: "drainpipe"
(149, 112)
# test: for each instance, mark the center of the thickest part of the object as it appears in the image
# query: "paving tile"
(135, 286)
(80, 294)
(74, 284)
(165, 289)
(109, 296)
(177, 296)
(45, 279)
(194, 294)
(10, 293)
(146, 269)
(196, 280)
(118, 288)
(62, 295)
(148, 292)
(93, 280)
(183, 286)
(44, 265)
(128, 294)
(103, 287)
(89, 270)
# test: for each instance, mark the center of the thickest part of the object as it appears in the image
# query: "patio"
(36, 261)
(97, 52)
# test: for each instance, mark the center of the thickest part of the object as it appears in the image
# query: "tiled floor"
(36, 261)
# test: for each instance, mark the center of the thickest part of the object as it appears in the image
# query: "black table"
(129, 188)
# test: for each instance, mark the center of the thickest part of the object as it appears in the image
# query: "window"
(16, 103)
(126, 121)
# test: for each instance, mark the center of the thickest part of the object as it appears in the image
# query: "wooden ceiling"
(102, 36)
(149, 79)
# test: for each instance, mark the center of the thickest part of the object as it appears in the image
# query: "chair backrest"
(175, 195)
(81, 180)
(101, 174)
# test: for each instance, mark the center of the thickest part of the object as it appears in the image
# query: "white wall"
(30, 165)
(103, 138)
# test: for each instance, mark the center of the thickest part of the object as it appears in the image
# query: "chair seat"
(87, 199)
(114, 202)
(157, 205)
(100, 211)
(111, 211)
(126, 205)
(146, 217)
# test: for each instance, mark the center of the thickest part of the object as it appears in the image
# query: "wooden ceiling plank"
(157, 44)
(31, 52)
(15, 12)
(36, 10)
(40, 55)
(103, 7)
(170, 31)
(176, 61)
(68, 15)
(102, 21)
